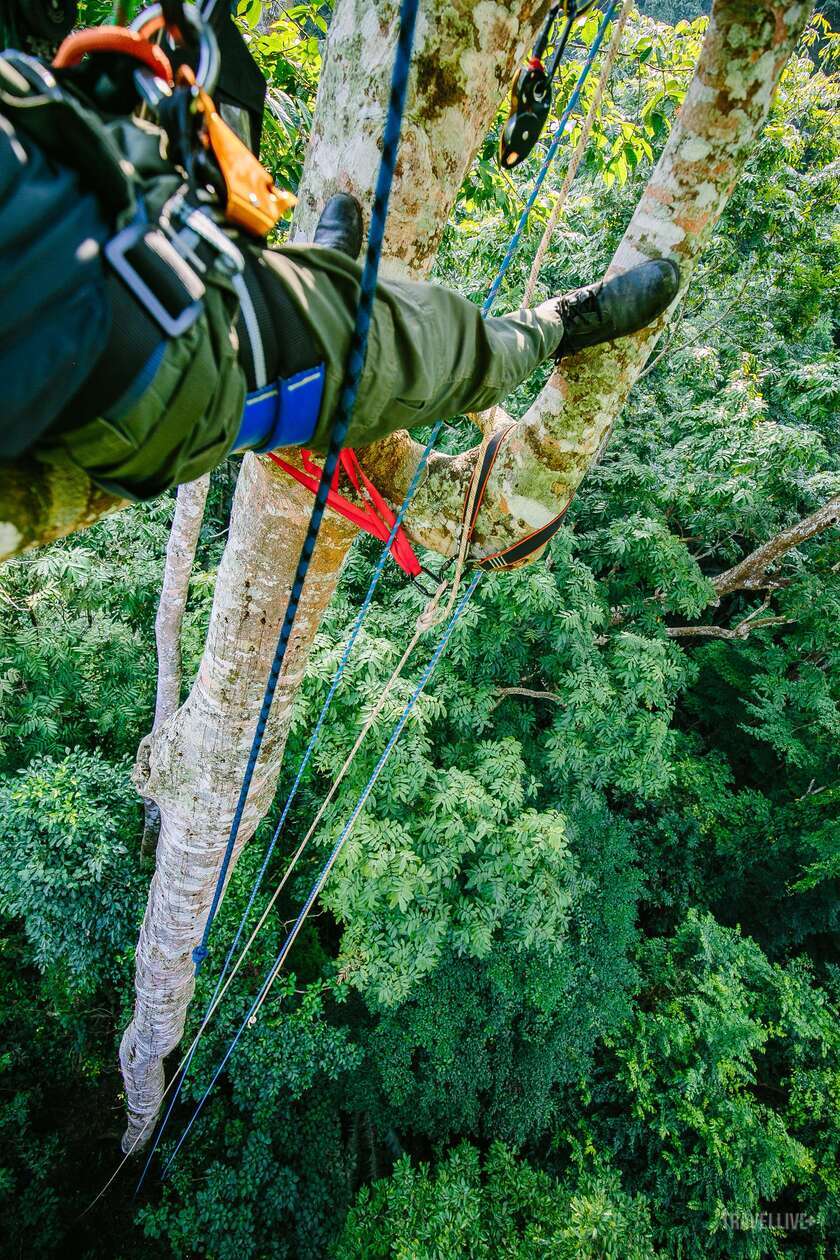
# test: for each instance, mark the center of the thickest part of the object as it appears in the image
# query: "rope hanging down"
(226, 979)
(222, 984)
(344, 414)
(277, 965)
(431, 616)
(201, 951)
(580, 150)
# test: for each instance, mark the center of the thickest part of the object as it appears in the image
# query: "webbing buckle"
(434, 578)
(36, 76)
(176, 302)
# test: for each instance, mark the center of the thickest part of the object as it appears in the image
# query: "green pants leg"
(431, 355)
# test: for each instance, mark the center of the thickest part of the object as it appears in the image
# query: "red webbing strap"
(374, 518)
(520, 551)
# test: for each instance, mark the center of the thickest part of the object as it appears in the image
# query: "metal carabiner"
(155, 19)
(531, 91)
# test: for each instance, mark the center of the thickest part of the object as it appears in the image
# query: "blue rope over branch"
(347, 401)
(344, 414)
(551, 154)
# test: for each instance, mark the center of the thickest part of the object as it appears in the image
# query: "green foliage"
(590, 910)
(274, 1174)
(500, 1206)
(702, 1097)
(67, 872)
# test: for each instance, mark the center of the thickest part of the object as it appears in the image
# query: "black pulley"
(531, 93)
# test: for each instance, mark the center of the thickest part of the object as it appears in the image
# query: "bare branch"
(528, 693)
(741, 631)
(750, 573)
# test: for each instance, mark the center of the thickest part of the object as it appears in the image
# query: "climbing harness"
(183, 103)
(531, 92)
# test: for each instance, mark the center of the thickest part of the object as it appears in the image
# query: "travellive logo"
(790, 1222)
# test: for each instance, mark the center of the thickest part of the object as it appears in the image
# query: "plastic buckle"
(36, 76)
(117, 251)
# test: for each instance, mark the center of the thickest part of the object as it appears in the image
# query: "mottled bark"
(463, 64)
(40, 502)
(177, 571)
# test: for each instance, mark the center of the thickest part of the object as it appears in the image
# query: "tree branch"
(178, 567)
(750, 573)
(528, 693)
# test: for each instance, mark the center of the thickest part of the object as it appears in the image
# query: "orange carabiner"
(254, 202)
(114, 39)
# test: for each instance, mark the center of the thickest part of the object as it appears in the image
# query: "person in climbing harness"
(146, 331)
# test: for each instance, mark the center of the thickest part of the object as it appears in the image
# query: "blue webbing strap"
(344, 413)
(549, 158)
(275, 967)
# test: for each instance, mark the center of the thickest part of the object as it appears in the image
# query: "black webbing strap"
(519, 551)
(288, 344)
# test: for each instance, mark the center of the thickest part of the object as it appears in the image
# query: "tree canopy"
(573, 988)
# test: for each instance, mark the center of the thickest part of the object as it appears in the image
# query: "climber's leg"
(430, 354)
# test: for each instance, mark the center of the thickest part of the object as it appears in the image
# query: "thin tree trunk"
(197, 759)
(461, 68)
(180, 557)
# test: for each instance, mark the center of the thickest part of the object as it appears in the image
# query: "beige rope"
(580, 150)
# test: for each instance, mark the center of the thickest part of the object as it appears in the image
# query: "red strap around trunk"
(375, 517)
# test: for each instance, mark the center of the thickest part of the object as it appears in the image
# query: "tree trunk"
(553, 446)
(462, 67)
(180, 556)
(40, 502)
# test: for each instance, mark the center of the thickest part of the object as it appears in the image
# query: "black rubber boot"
(617, 307)
(340, 225)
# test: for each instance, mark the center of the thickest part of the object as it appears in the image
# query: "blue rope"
(344, 413)
(201, 951)
(549, 158)
(274, 969)
(310, 748)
